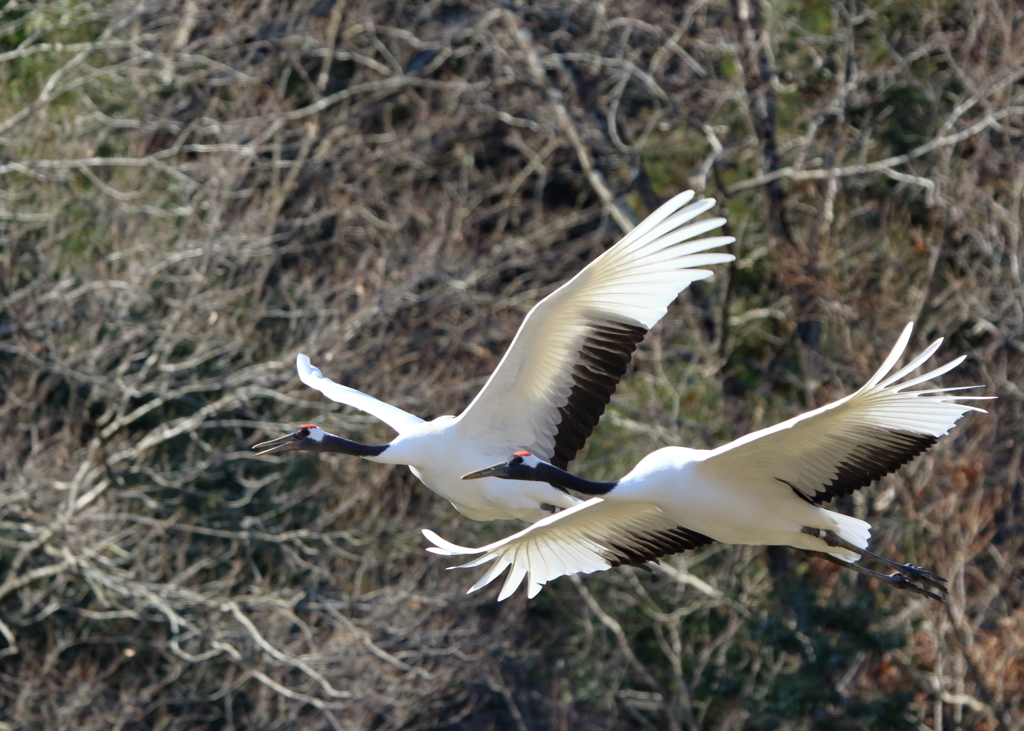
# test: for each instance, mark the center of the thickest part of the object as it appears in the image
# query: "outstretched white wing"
(391, 415)
(825, 453)
(593, 536)
(848, 444)
(551, 387)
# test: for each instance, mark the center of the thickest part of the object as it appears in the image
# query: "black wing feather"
(650, 546)
(601, 364)
(881, 451)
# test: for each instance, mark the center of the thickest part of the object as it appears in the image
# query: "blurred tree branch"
(193, 192)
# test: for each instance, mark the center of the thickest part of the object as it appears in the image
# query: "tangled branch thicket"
(192, 192)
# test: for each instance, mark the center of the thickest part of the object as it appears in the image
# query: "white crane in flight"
(552, 385)
(763, 489)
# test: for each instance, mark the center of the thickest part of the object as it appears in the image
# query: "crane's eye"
(516, 460)
(302, 433)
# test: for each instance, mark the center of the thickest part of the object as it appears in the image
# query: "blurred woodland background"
(193, 191)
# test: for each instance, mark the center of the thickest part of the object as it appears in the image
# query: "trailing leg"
(899, 580)
(905, 572)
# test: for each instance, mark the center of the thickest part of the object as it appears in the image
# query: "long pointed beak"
(285, 443)
(498, 470)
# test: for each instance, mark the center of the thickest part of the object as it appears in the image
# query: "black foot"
(902, 582)
(904, 578)
(918, 574)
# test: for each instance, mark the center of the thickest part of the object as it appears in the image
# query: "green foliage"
(826, 639)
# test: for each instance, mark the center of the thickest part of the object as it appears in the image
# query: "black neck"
(562, 479)
(331, 443)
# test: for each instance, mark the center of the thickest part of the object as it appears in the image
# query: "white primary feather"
(580, 539)
(400, 421)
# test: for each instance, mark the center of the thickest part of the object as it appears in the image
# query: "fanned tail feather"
(850, 529)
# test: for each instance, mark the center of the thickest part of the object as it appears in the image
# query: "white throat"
(317, 434)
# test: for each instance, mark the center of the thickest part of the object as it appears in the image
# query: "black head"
(306, 437)
(522, 466)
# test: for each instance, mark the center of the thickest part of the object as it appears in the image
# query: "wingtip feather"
(442, 545)
(491, 575)
(305, 367)
(935, 373)
(892, 358)
(512, 581)
(915, 363)
(475, 562)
